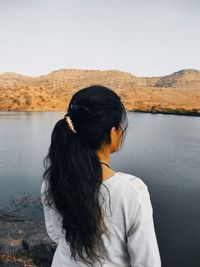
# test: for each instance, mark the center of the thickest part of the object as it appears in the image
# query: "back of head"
(73, 168)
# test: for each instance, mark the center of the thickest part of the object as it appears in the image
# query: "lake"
(163, 150)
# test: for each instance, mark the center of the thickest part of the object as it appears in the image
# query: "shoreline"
(172, 112)
(169, 112)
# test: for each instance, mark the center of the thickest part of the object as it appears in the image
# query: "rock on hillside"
(182, 78)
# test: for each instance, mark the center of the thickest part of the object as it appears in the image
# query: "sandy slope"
(177, 91)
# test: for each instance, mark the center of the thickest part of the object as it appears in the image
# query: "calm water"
(163, 150)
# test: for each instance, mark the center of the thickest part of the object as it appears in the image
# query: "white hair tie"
(69, 121)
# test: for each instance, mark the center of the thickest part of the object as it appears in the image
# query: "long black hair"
(73, 169)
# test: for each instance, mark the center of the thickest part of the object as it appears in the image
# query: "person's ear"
(113, 133)
(113, 136)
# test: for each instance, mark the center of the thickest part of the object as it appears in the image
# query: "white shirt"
(133, 241)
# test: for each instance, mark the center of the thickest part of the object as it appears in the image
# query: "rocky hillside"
(179, 91)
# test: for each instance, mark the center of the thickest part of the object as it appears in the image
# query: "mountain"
(182, 78)
(52, 92)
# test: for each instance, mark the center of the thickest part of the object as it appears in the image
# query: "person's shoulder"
(134, 191)
(133, 183)
(44, 187)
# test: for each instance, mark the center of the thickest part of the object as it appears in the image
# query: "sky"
(143, 37)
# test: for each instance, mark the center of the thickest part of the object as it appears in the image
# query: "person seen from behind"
(96, 215)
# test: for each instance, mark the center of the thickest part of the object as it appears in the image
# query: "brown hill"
(182, 78)
(177, 91)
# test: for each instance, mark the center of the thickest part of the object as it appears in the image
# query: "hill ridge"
(179, 90)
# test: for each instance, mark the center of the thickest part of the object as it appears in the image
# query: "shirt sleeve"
(53, 219)
(141, 238)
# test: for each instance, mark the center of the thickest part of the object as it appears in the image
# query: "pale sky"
(143, 37)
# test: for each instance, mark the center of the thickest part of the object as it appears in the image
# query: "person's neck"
(103, 157)
(106, 171)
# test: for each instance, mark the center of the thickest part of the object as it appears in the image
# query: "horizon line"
(106, 70)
